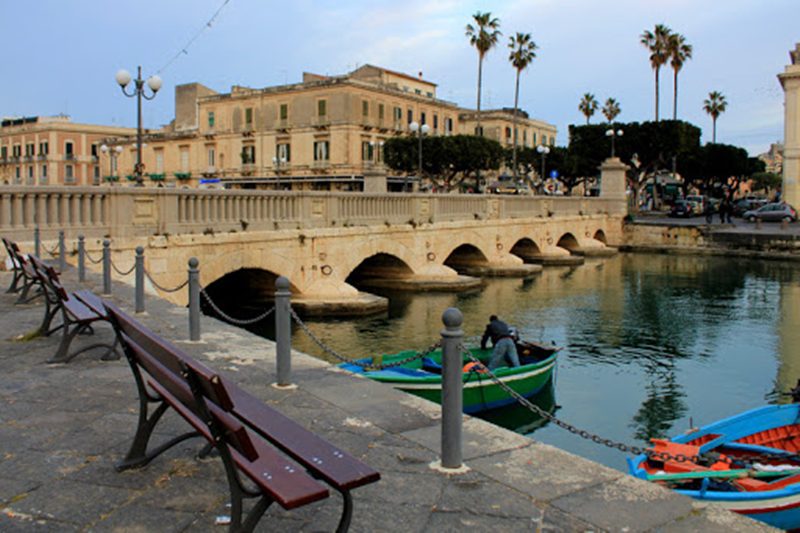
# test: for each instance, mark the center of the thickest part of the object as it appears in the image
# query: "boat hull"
(480, 392)
(771, 429)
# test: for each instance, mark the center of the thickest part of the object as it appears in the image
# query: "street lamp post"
(544, 150)
(112, 154)
(420, 131)
(278, 161)
(123, 78)
(613, 134)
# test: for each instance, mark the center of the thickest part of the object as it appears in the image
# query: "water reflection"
(649, 340)
(522, 419)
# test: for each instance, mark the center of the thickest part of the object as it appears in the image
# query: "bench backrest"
(49, 278)
(168, 369)
(10, 252)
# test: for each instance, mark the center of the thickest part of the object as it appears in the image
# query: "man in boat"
(505, 350)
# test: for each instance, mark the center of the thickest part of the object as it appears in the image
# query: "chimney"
(420, 74)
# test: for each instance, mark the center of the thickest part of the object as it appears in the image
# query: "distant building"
(321, 134)
(773, 158)
(52, 151)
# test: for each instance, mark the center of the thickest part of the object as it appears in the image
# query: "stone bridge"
(327, 244)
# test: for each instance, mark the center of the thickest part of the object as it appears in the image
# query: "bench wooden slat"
(332, 464)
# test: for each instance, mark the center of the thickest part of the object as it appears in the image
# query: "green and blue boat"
(423, 376)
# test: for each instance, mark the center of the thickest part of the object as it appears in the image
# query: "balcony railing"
(282, 124)
(70, 157)
(324, 163)
(320, 121)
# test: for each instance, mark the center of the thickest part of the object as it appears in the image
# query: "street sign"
(205, 181)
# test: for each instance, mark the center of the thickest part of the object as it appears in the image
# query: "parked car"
(699, 203)
(772, 213)
(750, 203)
(508, 187)
(681, 209)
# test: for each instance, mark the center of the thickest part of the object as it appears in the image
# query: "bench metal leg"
(63, 355)
(238, 494)
(14, 287)
(347, 512)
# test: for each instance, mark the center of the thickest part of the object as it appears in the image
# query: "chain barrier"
(710, 457)
(164, 289)
(330, 351)
(53, 252)
(91, 259)
(235, 321)
(120, 272)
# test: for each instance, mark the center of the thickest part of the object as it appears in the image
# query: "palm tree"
(679, 51)
(483, 36)
(656, 42)
(611, 110)
(523, 52)
(588, 106)
(715, 105)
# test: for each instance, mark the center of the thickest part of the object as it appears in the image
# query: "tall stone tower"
(790, 80)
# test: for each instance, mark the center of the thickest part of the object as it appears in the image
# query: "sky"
(60, 56)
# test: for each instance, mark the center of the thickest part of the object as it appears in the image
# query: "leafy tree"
(523, 52)
(715, 105)
(588, 106)
(611, 110)
(656, 43)
(765, 181)
(679, 52)
(483, 36)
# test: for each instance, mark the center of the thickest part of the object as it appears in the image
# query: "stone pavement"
(63, 427)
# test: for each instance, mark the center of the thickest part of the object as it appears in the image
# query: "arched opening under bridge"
(379, 270)
(465, 259)
(600, 235)
(568, 242)
(527, 250)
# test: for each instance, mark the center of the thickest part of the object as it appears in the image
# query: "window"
(17, 174)
(16, 151)
(29, 149)
(410, 116)
(210, 119)
(30, 174)
(68, 148)
(94, 151)
(544, 139)
(364, 108)
(435, 122)
(534, 138)
(398, 114)
(284, 152)
(248, 154)
(422, 119)
(184, 151)
(248, 118)
(429, 94)
(380, 111)
(417, 91)
(69, 176)
(367, 151)
(284, 111)
(159, 161)
(448, 126)
(4, 152)
(321, 150)
(525, 137)
(96, 174)
(322, 108)
(43, 174)
(212, 156)
(44, 148)
(508, 132)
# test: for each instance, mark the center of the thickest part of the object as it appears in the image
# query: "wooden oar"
(722, 474)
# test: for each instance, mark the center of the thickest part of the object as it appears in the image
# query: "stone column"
(790, 81)
(374, 180)
(613, 183)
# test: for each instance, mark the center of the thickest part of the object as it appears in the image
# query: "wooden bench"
(79, 310)
(283, 461)
(25, 277)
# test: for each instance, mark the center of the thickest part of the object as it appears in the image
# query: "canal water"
(651, 343)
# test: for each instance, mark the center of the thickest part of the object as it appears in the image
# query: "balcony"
(28, 158)
(367, 122)
(323, 164)
(282, 124)
(320, 122)
(248, 169)
(42, 157)
(210, 171)
(70, 157)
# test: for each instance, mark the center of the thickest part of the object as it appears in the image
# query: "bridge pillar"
(613, 183)
(790, 81)
(375, 180)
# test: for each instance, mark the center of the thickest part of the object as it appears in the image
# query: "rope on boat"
(232, 320)
(366, 365)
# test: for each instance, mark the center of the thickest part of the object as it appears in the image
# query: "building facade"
(321, 134)
(53, 151)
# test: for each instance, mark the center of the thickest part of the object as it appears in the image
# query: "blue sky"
(60, 56)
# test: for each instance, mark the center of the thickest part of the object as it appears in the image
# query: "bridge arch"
(569, 242)
(600, 235)
(377, 267)
(464, 257)
(242, 294)
(527, 250)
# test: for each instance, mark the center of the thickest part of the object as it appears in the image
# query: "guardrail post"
(81, 258)
(37, 242)
(106, 267)
(283, 332)
(194, 299)
(62, 253)
(139, 308)
(452, 399)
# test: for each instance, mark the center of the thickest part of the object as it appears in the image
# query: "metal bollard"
(62, 252)
(81, 258)
(106, 267)
(283, 332)
(139, 308)
(37, 242)
(452, 399)
(194, 299)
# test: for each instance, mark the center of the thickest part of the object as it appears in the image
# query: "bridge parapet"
(134, 212)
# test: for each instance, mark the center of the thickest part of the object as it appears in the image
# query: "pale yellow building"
(53, 151)
(323, 133)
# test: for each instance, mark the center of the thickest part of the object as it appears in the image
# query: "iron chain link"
(232, 320)
(91, 259)
(120, 272)
(164, 289)
(330, 351)
(53, 252)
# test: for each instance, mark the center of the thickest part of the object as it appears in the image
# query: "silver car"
(772, 212)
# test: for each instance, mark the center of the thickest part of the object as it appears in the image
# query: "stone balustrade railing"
(98, 212)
